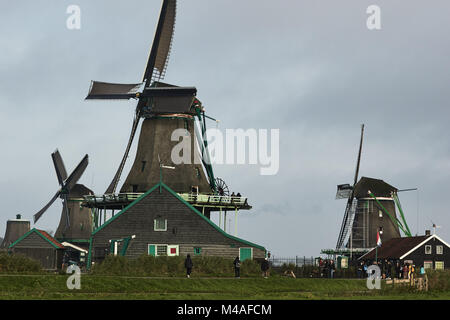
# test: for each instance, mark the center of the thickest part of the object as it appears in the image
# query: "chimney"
(427, 232)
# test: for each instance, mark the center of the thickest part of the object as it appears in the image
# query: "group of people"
(265, 266)
(327, 268)
(391, 269)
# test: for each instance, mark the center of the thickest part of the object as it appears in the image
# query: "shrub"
(439, 280)
(150, 266)
(17, 263)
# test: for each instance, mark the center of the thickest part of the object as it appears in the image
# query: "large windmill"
(76, 221)
(164, 108)
(371, 209)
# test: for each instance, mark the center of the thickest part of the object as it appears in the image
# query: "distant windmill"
(371, 210)
(68, 191)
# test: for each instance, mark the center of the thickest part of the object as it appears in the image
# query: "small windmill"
(67, 184)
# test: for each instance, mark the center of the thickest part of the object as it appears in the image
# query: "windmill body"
(79, 228)
(15, 228)
(155, 140)
(370, 218)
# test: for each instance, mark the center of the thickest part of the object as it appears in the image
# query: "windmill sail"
(155, 70)
(351, 207)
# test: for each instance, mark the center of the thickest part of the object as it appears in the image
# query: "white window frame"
(161, 245)
(171, 247)
(439, 249)
(427, 246)
(156, 248)
(430, 263)
(159, 230)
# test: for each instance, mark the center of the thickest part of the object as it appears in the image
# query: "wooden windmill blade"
(60, 169)
(113, 91)
(66, 183)
(162, 43)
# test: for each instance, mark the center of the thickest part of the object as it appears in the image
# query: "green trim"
(89, 254)
(397, 202)
(394, 221)
(161, 184)
(30, 232)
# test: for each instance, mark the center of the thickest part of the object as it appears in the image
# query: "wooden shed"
(40, 246)
(161, 223)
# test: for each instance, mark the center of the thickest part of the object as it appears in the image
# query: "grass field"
(122, 288)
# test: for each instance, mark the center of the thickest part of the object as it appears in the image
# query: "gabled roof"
(162, 185)
(44, 235)
(399, 248)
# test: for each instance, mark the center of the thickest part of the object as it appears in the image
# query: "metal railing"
(297, 261)
(213, 199)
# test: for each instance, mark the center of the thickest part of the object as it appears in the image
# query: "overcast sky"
(309, 68)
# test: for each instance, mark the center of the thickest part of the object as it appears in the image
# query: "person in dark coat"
(265, 268)
(237, 267)
(188, 265)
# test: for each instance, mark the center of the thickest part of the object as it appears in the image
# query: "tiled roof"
(395, 247)
(51, 239)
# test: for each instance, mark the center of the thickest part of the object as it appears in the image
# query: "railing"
(113, 198)
(297, 261)
(213, 199)
(201, 199)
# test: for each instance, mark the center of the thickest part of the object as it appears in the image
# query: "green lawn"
(112, 287)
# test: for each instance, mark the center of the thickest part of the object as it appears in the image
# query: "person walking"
(237, 267)
(332, 269)
(188, 265)
(359, 270)
(265, 268)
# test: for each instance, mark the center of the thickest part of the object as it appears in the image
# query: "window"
(173, 250)
(143, 166)
(439, 265)
(380, 213)
(197, 251)
(160, 224)
(157, 250)
(439, 249)
(427, 249)
(161, 250)
(428, 264)
(135, 188)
